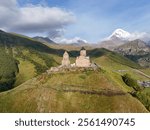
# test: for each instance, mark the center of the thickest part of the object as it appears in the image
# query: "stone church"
(81, 61)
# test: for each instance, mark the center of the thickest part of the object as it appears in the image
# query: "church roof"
(83, 48)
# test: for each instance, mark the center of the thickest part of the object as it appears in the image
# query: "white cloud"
(33, 19)
(70, 41)
(140, 35)
(8, 3)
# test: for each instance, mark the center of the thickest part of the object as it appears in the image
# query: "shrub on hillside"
(144, 97)
(131, 82)
(8, 70)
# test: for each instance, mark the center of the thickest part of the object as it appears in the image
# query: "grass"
(110, 65)
(34, 57)
(146, 71)
(115, 57)
(144, 97)
(32, 63)
(47, 95)
(88, 91)
(26, 72)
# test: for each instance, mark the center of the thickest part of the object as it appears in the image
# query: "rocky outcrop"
(137, 51)
(136, 47)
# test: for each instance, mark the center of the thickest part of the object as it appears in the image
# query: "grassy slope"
(27, 71)
(144, 97)
(48, 94)
(146, 71)
(33, 57)
(32, 63)
(113, 68)
(39, 95)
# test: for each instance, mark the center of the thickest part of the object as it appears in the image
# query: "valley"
(32, 89)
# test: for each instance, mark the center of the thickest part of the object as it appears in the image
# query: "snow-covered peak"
(120, 33)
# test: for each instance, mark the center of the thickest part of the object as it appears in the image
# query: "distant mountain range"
(137, 51)
(120, 37)
(24, 63)
(44, 39)
(136, 47)
(74, 41)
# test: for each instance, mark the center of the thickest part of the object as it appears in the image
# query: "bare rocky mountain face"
(136, 47)
(111, 44)
(136, 50)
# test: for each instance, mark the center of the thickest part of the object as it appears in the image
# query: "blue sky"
(96, 19)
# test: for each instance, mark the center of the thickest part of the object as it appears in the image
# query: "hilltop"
(82, 91)
(34, 90)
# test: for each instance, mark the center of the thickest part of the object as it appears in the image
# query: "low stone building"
(145, 84)
(82, 60)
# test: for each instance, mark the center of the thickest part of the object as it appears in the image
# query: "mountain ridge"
(120, 37)
(44, 39)
(119, 33)
(34, 90)
(137, 51)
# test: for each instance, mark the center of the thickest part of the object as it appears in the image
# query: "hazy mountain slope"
(85, 91)
(117, 38)
(120, 37)
(110, 44)
(137, 51)
(44, 40)
(136, 47)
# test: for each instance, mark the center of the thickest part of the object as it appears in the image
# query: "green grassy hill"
(8, 70)
(117, 58)
(22, 58)
(82, 91)
(23, 62)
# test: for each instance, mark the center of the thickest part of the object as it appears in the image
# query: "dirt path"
(90, 92)
(140, 72)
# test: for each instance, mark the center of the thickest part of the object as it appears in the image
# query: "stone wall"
(82, 61)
